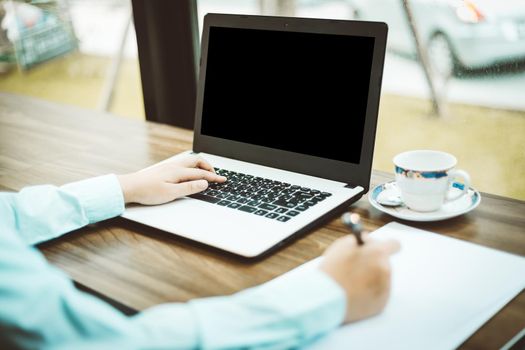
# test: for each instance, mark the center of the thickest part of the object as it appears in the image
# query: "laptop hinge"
(348, 185)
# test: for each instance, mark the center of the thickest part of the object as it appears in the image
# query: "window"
(475, 53)
(68, 52)
(476, 64)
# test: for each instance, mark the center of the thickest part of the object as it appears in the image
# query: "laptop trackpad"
(231, 230)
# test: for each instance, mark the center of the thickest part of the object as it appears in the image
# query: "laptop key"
(254, 203)
(301, 208)
(247, 209)
(284, 203)
(261, 212)
(281, 210)
(287, 192)
(293, 213)
(297, 200)
(283, 218)
(243, 200)
(234, 205)
(272, 215)
(267, 206)
(205, 198)
(224, 203)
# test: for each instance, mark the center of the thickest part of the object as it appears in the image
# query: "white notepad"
(443, 290)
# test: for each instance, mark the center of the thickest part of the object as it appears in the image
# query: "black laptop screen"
(299, 92)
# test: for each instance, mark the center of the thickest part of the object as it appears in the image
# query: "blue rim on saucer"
(448, 210)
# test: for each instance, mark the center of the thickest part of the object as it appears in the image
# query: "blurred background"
(454, 75)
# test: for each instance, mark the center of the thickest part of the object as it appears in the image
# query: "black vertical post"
(168, 45)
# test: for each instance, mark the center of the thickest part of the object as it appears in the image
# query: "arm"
(42, 309)
(41, 213)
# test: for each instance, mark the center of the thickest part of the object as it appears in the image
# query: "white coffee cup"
(425, 179)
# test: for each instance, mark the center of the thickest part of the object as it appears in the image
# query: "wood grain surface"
(138, 266)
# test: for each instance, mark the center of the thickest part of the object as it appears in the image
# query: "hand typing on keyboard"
(170, 180)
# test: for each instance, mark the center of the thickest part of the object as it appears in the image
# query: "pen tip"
(351, 218)
(355, 218)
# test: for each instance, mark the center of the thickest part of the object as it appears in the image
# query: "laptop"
(286, 110)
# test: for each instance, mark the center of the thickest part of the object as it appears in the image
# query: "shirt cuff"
(291, 310)
(101, 197)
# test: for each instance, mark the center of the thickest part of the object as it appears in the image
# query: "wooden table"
(41, 142)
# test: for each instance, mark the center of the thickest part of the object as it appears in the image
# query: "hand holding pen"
(362, 270)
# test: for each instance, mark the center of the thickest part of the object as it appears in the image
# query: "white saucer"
(448, 210)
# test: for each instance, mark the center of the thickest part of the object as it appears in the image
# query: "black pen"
(353, 222)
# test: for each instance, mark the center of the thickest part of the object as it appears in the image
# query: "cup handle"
(454, 174)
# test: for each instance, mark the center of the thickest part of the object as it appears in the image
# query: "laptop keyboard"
(271, 199)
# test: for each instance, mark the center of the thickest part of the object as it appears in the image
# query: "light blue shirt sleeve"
(41, 309)
(40, 213)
